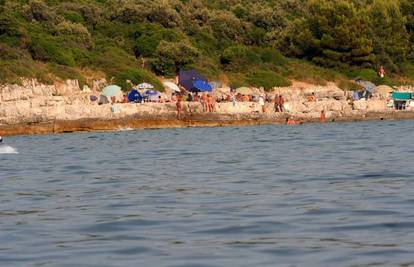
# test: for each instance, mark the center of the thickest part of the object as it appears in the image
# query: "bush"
(267, 79)
(306, 72)
(44, 49)
(79, 32)
(39, 10)
(206, 42)
(10, 53)
(349, 85)
(226, 26)
(239, 57)
(147, 42)
(273, 56)
(66, 73)
(11, 71)
(11, 30)
(164, 15)
(137, 76)
(73, 16)
(112, 59)
(369, 75)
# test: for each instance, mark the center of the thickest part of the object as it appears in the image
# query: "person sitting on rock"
(312, 98)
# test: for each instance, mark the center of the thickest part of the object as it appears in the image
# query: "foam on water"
(4, 149)
(125, 129)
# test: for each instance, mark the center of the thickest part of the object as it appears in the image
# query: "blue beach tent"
(186, 79)
(201, 86)
(134, 96)
(151, 92)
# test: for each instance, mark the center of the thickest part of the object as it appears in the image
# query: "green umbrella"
(244, 91)
(111, 90)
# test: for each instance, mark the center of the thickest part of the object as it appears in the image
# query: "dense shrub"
(39, 10)
(112, 59)
(12, 31)
(267, 79)
(45, 49)
(238, 57)
(369, 75)
(273, 56)
(76, 30)
(150, 36)
(65, 73)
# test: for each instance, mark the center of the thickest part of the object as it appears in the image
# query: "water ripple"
(314, 195)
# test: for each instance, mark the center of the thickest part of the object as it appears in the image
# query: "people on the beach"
(179, 105)
(1, 139)
(125, 99)
(381, 72)
(174, 97)
(281, 103)
(312, 97)
(262, 103)
(210, 103)
(290, 121)
(196, 97)
(204, 102)
(276, 103)
(323, 116)
(233, 99)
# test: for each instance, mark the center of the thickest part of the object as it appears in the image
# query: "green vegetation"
(136, 76)
(250, 42)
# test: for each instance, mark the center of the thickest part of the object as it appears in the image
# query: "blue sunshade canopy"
(202, 86)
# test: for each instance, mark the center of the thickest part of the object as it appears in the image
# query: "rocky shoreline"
(195, 120)
(34, 108)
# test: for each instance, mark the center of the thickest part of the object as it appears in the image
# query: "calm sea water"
(311, 195)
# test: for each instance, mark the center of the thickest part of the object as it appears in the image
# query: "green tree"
(390, 38)
(239, 57)
(340, 36)
(171, 57)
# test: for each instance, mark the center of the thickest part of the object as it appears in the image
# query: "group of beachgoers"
(208, 102)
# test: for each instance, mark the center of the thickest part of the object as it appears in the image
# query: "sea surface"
(306, 195)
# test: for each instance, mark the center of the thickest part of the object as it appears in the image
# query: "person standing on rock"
(204, 102)
(262, 103)
(281, 103)
(179, 106)
(381, 72)
(323, 116)
(210, 103)
(233, 99)
(276, 103)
